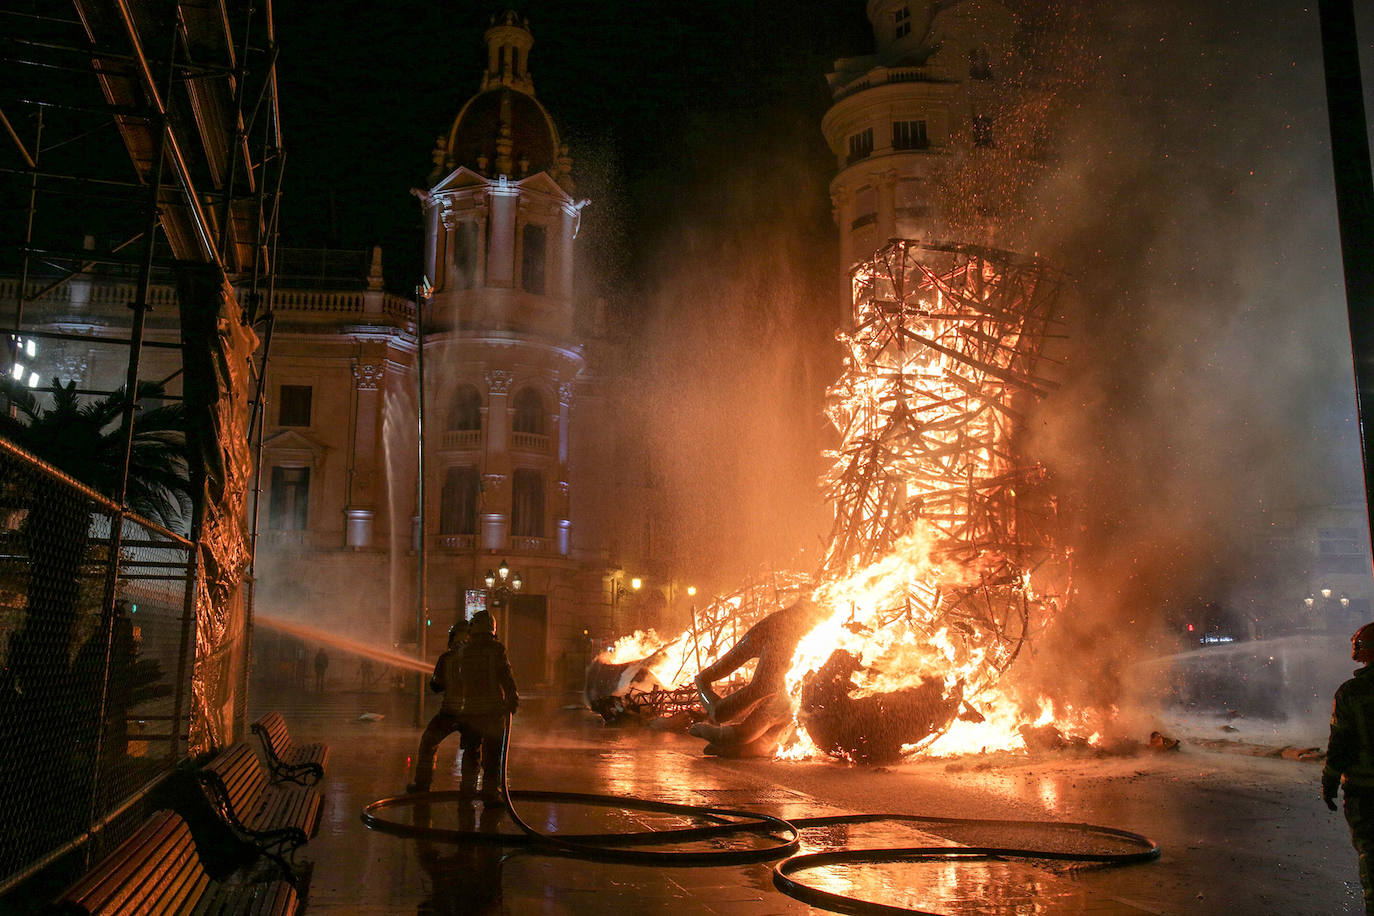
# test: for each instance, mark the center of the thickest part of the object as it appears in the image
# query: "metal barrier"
(96, 652)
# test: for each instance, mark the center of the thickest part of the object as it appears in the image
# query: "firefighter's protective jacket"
(476, 678)
(1350, 752)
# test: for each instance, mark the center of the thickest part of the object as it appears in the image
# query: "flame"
(942, 563)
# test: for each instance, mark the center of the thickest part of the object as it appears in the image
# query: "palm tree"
(86, 441)
(48, 723)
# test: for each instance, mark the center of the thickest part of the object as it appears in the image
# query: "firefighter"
(449, 717)
(1350, 756)
(489, 700)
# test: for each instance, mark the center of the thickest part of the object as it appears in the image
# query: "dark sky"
(650, 96)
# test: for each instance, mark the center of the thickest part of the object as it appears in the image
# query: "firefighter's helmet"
(1362, 644)
(482, 622)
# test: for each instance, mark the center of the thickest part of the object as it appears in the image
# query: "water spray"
(386, 656)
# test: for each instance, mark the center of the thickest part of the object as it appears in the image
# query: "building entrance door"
(527, 639)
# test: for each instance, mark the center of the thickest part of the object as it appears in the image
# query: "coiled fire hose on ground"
(616, 847)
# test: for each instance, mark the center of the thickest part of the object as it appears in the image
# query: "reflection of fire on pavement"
(942, 560)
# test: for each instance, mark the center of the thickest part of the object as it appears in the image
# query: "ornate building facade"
(517, 443)
(905, 117)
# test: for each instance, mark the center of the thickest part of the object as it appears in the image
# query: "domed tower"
(502, 367)
(900, 115)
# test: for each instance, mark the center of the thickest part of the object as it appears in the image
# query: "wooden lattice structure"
(943, 362)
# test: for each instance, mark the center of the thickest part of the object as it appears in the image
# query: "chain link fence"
(97, 646)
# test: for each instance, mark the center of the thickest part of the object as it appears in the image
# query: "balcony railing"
(462, 438)
(529, 442)
(523, 544)
(456, 541)
(283, 537)
(880, 75)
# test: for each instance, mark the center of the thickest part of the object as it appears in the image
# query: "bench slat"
(157, 872)
(260, 804)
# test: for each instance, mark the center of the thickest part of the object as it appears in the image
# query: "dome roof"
(503, 129)
(503, 132)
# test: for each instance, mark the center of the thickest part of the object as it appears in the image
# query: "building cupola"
(503, 130)
(508, 41)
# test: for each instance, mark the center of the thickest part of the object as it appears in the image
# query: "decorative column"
(495, 492)
(431, 214)
(498, 388)
(359, 513)
(443, 245)
(495, 522)
(480, 212)
(564, 524)
(565, 394)
(501, 241)
(565, 252)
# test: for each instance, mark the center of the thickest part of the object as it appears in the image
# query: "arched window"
(529, 412)
(465, 410)
(527, 504)
(458, 502)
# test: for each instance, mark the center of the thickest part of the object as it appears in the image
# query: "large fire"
(942, 561)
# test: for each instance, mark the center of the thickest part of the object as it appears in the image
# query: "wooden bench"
(279, 817)
(159, 870)
(300, 763)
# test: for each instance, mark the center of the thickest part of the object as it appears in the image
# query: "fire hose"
(614, 847)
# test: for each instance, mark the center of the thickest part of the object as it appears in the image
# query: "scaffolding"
(141, 180)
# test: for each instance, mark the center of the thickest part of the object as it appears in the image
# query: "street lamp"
(501, 584)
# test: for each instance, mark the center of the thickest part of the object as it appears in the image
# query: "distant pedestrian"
(365, 673)
(1350, 756)
(321, 665)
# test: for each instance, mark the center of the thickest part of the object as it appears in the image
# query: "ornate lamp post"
(501, 585)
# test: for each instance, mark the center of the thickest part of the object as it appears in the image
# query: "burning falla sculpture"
(941, 561)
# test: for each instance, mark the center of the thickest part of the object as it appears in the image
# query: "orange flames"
(942, 562)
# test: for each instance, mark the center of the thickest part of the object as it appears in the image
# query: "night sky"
(1206, 382)
(653, 99)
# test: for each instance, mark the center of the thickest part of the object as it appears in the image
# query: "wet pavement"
(558, 746)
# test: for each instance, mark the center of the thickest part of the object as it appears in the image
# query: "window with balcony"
(533, 242)
(293, 406)
(861, 145)
(527, 504)
(458, 501)
(290, 497)
(465, 410)
(529, 412)
(909, 135)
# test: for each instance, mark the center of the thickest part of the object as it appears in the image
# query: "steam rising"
(1206, 379)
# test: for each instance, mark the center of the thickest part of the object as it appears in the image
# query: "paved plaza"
(1238, 832)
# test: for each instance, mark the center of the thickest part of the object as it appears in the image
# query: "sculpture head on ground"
(753, 720)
